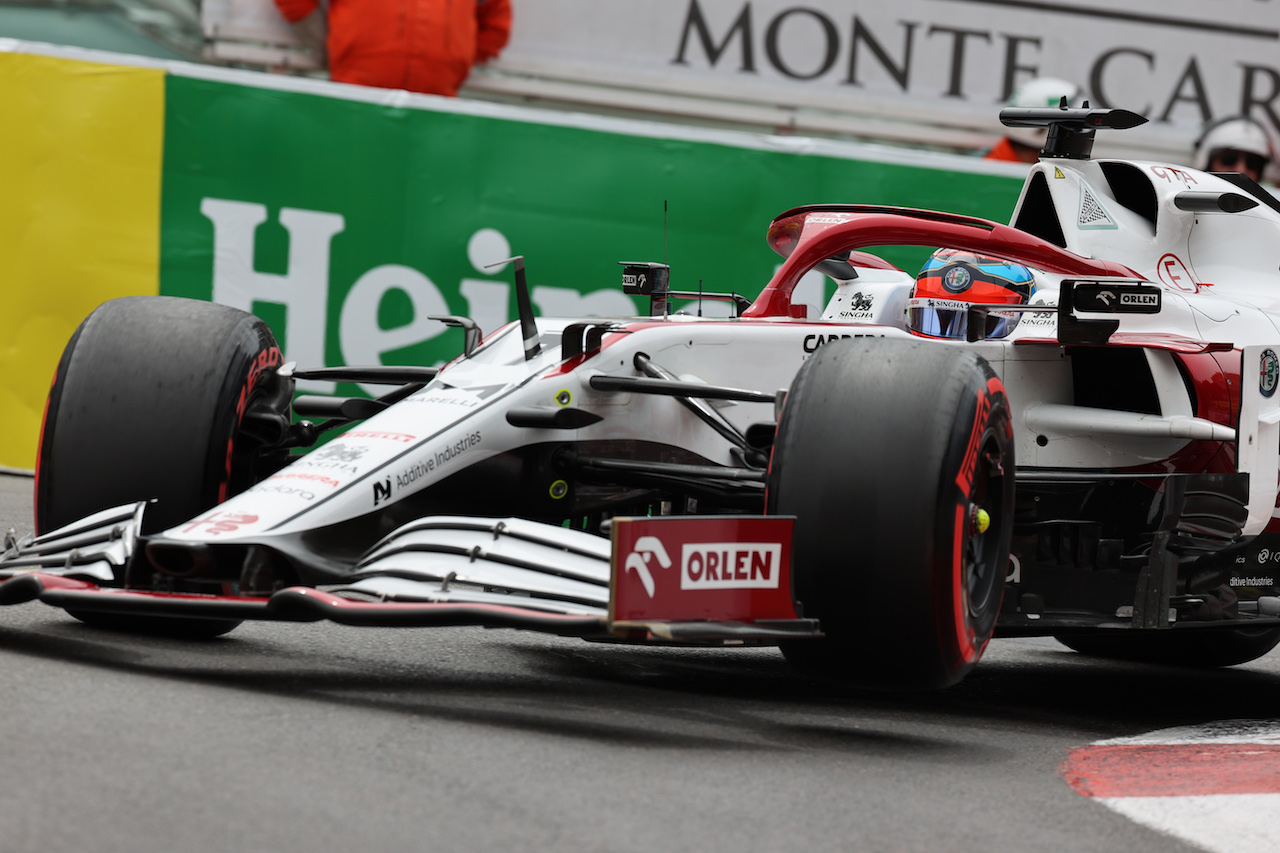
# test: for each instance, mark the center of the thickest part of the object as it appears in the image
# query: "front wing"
(701, 580)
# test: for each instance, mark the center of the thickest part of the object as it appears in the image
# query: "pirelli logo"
(730, 565)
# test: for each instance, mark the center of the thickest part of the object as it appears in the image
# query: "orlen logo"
(1143, 299)
(730, 565)
(647, 548)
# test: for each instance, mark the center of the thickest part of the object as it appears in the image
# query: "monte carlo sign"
(1179, 62)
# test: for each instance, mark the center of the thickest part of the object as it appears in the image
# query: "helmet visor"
(949, 318)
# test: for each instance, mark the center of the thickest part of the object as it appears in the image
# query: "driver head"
(952, 280)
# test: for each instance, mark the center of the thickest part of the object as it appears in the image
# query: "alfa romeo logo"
(1268, 373)
(957, 279)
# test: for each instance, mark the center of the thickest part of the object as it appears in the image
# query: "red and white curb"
(1216, 786)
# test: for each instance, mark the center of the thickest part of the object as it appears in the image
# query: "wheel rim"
(981, 560)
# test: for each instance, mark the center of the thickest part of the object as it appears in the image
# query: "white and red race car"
(1097, 462)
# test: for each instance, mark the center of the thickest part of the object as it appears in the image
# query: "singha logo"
(859, 302)
(339, 453)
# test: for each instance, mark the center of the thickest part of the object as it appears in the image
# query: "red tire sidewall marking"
(266, 359)
(968, 644)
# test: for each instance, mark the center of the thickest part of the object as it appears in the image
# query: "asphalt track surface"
(320, 737)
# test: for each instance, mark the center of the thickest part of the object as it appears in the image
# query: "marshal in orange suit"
(418, 45)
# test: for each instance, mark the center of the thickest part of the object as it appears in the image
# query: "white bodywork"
(1217, 270)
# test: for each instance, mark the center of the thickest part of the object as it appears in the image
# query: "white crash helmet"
(1040, 93)
(1239, 133)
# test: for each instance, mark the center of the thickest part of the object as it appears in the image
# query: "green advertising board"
(347, 216)
(345, 223)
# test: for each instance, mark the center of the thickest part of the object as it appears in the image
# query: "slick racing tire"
(164, 399)
(896, 457)
(1201, 647)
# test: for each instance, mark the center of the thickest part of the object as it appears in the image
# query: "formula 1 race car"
(845, 488)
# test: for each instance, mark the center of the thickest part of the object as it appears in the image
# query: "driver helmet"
(952, 280)
(1239, 134)
(1040, 93)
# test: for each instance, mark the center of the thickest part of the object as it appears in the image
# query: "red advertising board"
(718, 568)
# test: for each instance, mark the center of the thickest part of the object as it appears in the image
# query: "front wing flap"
(96, 548)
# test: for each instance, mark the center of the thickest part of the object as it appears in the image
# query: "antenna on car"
(524, 307)
(664, 233)
(1071, 130)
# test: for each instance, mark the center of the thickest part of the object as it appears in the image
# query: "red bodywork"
(807, 235)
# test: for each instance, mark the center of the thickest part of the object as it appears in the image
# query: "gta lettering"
(803, 43)
(730, 565)
(1168, 173)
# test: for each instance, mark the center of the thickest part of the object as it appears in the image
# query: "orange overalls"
(419, 45)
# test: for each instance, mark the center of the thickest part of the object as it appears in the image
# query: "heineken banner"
(346, 217)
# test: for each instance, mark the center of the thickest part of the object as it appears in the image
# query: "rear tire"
(884, 452)
(1202, 648)
(149, 402)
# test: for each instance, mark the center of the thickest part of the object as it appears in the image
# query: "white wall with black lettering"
(949, 63)
(928, 72)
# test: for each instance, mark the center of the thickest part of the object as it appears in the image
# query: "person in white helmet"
(1023, 144)
(1234, 144)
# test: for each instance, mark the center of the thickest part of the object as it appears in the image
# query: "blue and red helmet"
(952, 280)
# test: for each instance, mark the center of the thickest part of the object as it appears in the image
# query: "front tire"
(886, 451)
(164, 399)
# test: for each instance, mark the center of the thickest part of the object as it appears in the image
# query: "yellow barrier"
(80, 163)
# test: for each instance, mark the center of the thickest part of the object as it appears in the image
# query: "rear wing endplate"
(1258, 435)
